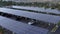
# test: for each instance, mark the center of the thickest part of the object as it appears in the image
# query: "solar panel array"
(18, 20)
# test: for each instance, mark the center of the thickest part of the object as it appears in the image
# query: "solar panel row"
(20, 28)
(41, 9)
(37, 11)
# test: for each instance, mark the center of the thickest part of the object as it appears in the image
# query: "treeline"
(36, 4)
(4, 3)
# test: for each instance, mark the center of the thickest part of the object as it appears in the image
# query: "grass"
(54, 29)
(59, 23)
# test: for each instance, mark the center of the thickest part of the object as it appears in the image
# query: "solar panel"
(37, 16)
(41, 9)
(21, 28)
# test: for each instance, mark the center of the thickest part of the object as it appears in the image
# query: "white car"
(30, 23)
